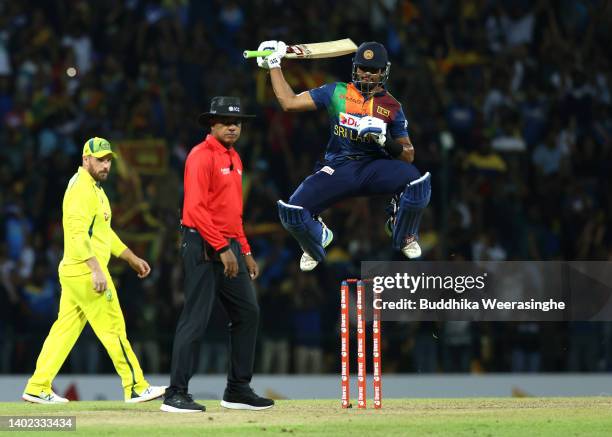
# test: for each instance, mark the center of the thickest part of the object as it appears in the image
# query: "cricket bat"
(316, 50)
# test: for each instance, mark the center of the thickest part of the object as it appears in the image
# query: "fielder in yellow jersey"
(88, 293)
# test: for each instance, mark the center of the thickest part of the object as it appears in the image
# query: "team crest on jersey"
(225, 170)
(382, 111)
(348, 120)
(106, 216)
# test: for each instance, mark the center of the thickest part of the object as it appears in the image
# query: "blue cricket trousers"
(352, 178)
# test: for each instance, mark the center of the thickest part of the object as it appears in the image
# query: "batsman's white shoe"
(44, 397)
(148, 394)
(411, 249)
(308, 263)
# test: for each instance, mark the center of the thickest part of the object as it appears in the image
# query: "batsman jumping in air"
(369, 153)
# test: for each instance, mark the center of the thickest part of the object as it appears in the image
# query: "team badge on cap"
(98, 147)
(368, 54)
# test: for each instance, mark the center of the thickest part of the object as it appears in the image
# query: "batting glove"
(273, 60)
(373, 128)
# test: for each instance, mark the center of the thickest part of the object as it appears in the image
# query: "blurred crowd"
(509, 108)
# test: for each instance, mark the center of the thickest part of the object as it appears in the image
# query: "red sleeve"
(197, 184)
(242, 239)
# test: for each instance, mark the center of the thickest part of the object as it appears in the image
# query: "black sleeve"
(393, 148)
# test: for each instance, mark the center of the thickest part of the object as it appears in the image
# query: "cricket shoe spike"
(308, 263)
(44, 397)
(411, 248)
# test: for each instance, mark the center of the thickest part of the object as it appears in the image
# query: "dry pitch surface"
(429, 417)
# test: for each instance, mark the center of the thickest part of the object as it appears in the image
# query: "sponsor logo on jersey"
(350, 99)
(349, 133)
(106, 216)
(348, 120)
(225, 170)
(382, 111)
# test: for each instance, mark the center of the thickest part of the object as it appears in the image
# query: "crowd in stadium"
(509, 108)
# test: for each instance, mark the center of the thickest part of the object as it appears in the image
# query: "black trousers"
(205, 281)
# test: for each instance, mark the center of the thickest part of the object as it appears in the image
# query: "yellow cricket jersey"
(87, 226)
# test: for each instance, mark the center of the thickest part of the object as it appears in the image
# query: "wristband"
(223, 249)
(247, 254)
(393, 148)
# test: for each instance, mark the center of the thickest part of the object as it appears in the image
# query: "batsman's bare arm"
(408, 152)
(289, 101)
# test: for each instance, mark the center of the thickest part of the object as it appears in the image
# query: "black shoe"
(245, 401)
(181, 402)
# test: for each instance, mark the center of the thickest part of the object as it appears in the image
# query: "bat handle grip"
(256, 53)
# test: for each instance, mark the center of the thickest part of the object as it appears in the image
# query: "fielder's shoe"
(148, 394)
(44, 397)
(307, 263)
(411, 248)
(245, 401)
(181, 402)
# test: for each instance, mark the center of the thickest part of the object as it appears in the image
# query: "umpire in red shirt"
(217, 262)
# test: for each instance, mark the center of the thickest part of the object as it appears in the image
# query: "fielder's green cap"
(97, 147)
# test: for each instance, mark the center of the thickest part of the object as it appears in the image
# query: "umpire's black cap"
(223, 106)
(371, 54)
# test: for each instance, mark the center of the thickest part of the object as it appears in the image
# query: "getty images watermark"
(490, 291)
(454, 284)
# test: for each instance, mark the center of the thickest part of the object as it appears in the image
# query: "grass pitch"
(430, 417)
